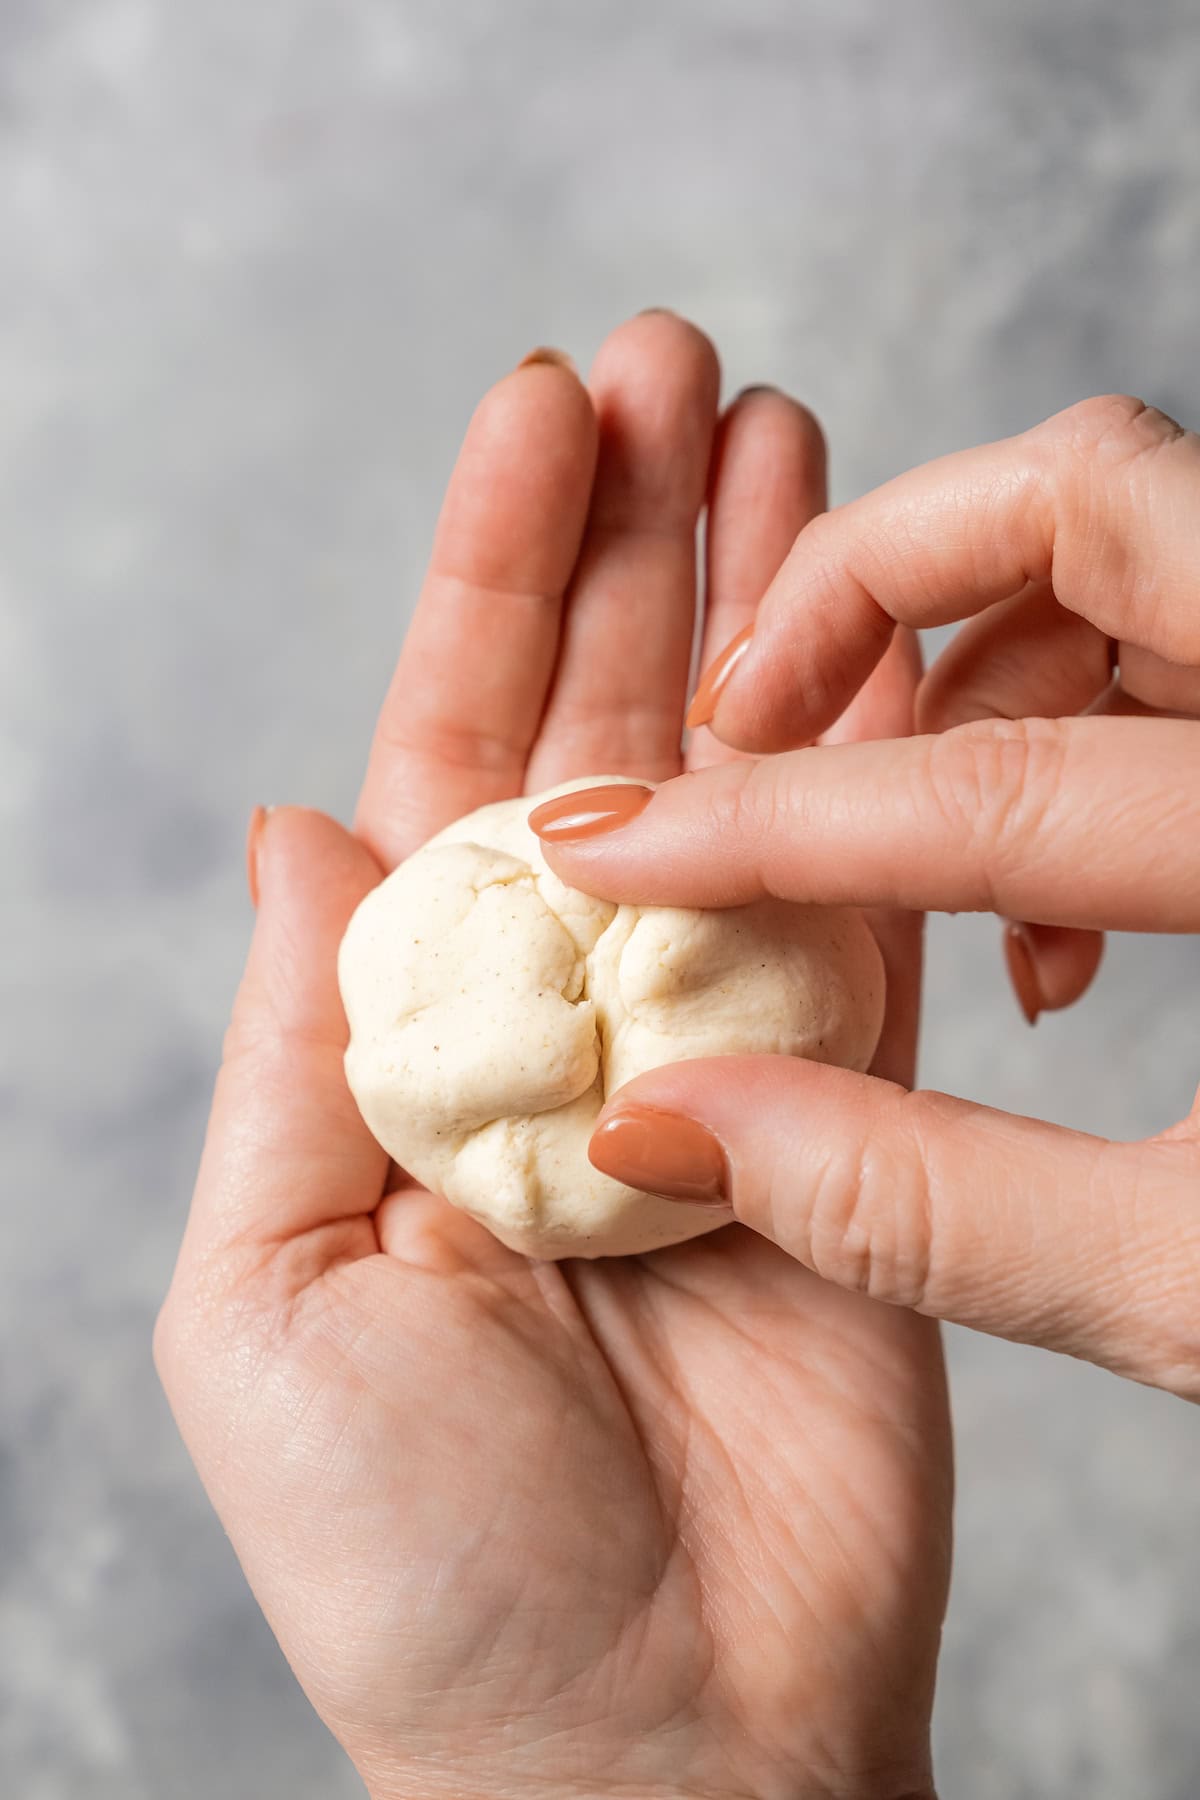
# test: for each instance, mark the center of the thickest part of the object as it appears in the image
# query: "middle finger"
(616, 706)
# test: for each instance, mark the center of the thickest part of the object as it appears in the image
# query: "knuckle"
(748, 806)
(438, 743)
(1158, 1314)
(1120, 425)
(1172, 1361)
(1116, 464)
(756, 800)
(1175, 1284)
(994, 784)
(872, 1210)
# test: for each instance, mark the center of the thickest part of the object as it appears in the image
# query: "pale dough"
(493, 1010)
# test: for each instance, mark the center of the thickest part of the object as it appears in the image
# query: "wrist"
(870, 1776)
(450, 1786)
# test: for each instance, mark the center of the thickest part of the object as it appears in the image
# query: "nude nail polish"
(661, 1153)
(1022, 972)
(545, 353)
(588, 813)
(715, 677)
(258, 820)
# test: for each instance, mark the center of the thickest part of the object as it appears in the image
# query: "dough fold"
(493, 1010)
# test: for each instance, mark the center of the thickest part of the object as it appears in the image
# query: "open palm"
(667, 1525)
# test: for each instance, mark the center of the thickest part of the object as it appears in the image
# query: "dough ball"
(493, 1010)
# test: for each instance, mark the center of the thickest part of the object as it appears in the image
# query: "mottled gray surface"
(257, 259)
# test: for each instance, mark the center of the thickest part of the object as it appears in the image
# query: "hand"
(1076, 548)
(670, 1525)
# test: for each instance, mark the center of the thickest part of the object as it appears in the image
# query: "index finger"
(1100, 501)
(467, 695)
(1086, 822)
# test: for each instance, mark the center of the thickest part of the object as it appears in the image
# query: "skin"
(1044, 787)
(671, 1525)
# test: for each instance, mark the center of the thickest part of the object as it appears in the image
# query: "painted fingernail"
(545, 353)
(258, 821)
(588, 812)
(1022, 971)
(712, 682)
(660, 1153)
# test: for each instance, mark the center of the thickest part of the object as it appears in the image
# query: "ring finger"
(768, 481)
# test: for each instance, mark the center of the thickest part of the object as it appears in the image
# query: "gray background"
(257, 260)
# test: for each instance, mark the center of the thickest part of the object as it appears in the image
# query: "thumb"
(287, 1156)
(1006, 1224)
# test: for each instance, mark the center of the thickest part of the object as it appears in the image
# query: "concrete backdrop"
(256, 263)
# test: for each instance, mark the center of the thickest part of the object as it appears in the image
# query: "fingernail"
(258, 821)
(755, 387)
(588, 812)
(545, 353)
(1022, 971)
(714, 678)
(667, 311)
(660, 1153)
